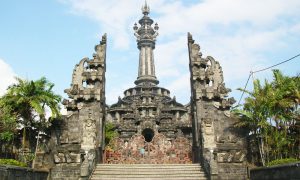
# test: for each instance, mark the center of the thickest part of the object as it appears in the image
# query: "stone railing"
(89, 163)
(206, 166)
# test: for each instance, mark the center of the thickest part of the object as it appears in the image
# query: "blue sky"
(47, 38)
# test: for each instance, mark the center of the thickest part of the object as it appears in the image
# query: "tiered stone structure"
(217, 145)
(78, 140)
(146, 108)
(152, 126)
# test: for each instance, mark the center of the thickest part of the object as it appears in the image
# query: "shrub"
(12, 162)
(282, 161)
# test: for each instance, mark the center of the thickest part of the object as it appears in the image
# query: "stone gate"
(152, 127)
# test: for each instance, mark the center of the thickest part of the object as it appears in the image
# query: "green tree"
(8, 125)
(8, 131)
(110, 132)
(27, 101)
(254, 115)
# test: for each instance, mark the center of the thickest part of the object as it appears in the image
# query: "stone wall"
(288, 171)
(21, 173)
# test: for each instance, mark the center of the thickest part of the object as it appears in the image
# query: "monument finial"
(146, 8)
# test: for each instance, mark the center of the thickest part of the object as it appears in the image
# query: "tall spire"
(146, 37)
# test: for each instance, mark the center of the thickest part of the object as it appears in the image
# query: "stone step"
(98, 177)
(149, 168)
(98, 172)
(149, 178)
(152, 178)
(150, 175)
(148, 172)
(160, 165)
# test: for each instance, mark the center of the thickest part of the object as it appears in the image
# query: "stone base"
(234, 171)
(65, 172)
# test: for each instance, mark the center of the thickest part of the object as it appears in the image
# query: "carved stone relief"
(89, 134)
(231, 157)
(66, 157)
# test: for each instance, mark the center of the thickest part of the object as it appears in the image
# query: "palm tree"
(28, 100)
(270, 113)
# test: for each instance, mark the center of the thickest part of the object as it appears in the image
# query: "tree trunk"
(261, 151)
(24, 138)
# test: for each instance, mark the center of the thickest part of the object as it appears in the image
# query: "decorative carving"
(66, 157)
(77, 73)
(59, 158)
(159, 150)
(208, 126)
(231, 157)
(207, 76)
(227, 113)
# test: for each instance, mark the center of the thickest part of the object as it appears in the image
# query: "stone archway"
(159, 150)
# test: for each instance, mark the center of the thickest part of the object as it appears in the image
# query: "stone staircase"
(148, 172)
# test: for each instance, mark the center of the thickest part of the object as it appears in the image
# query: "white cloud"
(114, 16)
(237, 33)
(168, 57)
(241, 53)
(181, 88)
(7, 76)
(178, 18)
